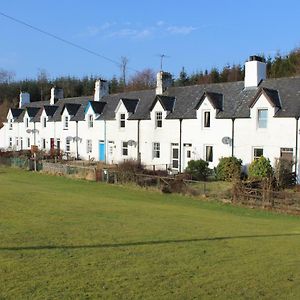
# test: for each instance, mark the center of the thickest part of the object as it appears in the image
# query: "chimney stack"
(101, 89)
(24, 99)
(56, 94)
(163, 81)
(255, 71)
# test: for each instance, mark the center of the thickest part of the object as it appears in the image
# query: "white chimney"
(255, 71)
(101, 89)
(56, 94)
(24, 99)
(163, 81)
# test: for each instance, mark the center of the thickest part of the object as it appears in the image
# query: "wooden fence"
(288, 201)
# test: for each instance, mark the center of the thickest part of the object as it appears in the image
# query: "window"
(124, 148)
(21, 143)
(158, 119)
(66, 122)
(43, 143)
(28, 143)
(68, 145)
(10, 142)
(17, 142)
(257, 153)
(209, 153)
(206, 119)
(26, 122)
(10, 124)
(89, 146)
(90, 121)
(58, 144)
(44, 122)
(122, 120)
(156, 150)
(286, 153)
(188, 153)
(262, 117)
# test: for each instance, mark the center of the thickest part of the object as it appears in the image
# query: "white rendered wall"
(166, 135)
(95, 133)
(115, 135)
(280, 133)
(199, 136)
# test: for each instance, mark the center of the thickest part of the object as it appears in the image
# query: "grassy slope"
(64, 239)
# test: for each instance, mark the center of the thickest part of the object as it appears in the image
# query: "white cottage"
(168, 126)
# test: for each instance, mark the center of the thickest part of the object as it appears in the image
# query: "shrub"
(260, 168)
(229, 168)
(198, 169)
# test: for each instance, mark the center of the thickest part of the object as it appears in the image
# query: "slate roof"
(130, 104)
(230, 99)
(16, 112)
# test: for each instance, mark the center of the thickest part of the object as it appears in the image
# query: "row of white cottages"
(168, 126)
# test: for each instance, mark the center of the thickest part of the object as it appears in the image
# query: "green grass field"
(71, 239)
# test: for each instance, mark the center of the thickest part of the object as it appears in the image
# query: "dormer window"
(206, 119)
(158, 119)
(262, 118)
(90, 121)
(26, 122)
(44, 122)
(122, 120)
(66, 122)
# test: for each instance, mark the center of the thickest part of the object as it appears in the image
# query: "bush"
(260, 169)
(198, 169)
(229, 168)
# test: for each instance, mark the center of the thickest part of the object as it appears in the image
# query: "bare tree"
(123, 66)
(142, 80)
(6, 76)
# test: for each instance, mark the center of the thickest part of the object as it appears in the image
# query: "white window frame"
(122, 120)
(66, 122)
(26, 122)
(205, 125)
(209, 157)
(10, 142)
(90, 121)
(255, 156)
(68, 145)
(259, 120)
(158, 119)
(156, 150)
(17, 142)
(89, 146)
(10, 124)
(28, 143)
(124, 148)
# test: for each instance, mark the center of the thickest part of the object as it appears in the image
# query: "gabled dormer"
(93, 111)
(265, 104)
(208, 107)
(160, 108)
(69, 110)
(12, 116)
(125, 108)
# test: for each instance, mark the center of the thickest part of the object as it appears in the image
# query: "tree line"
(39, 88)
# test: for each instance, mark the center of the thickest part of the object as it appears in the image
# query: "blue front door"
(101, 151)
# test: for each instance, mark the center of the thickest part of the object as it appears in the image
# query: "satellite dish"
(226, 140)
(28, 130)
(131, 143)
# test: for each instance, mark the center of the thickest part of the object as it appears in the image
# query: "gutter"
(296, 155)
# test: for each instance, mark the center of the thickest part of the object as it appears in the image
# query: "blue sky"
(195, 34)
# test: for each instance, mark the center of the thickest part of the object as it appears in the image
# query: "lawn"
(72, 239)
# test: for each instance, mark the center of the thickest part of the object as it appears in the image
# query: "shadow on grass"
(146, 243)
